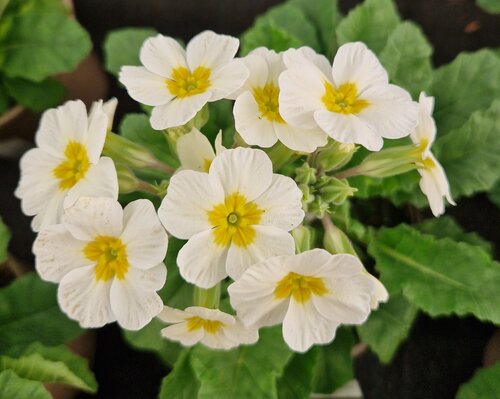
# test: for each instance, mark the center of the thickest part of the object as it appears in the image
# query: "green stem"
(207, 298)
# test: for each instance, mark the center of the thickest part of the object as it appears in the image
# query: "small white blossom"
(211, 327)
(66, 163)
(351, 101)
(433, 181)
(233, 216)
(178, 82)
(108, 262)
(311, 294)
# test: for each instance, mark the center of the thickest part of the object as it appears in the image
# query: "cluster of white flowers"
(234, 211)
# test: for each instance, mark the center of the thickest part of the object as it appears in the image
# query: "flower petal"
(304, 56)
(179, 332)
(143, 235)
(190, 194)
(195, 151)
(227, 80)
(258, 76)
(89, 217)
(178, 111)
(84, 299)
(243, 170)
(161, 54)
(172, 315)
(357, 64)
(425, 131)
(57, 253)
(52, 212)
(297, 139)
(201, 261)
(144, 86)
(253, 128)
(96, 134)
(282, 204)
(239, 334)
(211, 50)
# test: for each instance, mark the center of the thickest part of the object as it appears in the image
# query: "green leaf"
(181, 382)
(388, 326)
(446, 226)
(37, 96)
(39, 45)
(485, 384)
(334, 364)
(122, 46)
(29, 313)
(491, 6)
(325, 16)
(371, 22)
(51, 365)
(470, 155)
(246, 372)
(5, 100)
(4, 241)
(282, 27)
(14, 387)
(494, 194)
(136, 127)
(441, 277)
(407, 58)
(3, 4)
(297, 379)
(469, 83)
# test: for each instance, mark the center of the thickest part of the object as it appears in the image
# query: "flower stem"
(208, 298)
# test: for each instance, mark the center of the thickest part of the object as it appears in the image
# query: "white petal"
(258, 74)
(143, 235)
(282, 204)
(60, 125)
(349, 129)
(99, 181)
(355, 63)
(391, 112)
(57, 253)
(178, 111)
(96, 135)
(240, 334)
(250, 124)
(269, 242)
(303, 56)
(304, 326)
(52, 212)
(161, 54)
(425, 131)
(89, 217)
(435, 186)
(109, 108)
(219, 148)
(211, 50)
(319, 262)
(144, 86)
(211, 314)
(218, 340)
(243, 170)
(274, 61)
(303, 140)
(84, 299)
(172, 315)
(190, 195)
(301, 90)
(380, 293)
(227, 80)
(179, 332)
(201, 261)
(195, 151)
(133, 300)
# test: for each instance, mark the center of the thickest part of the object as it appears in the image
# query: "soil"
(442, 353)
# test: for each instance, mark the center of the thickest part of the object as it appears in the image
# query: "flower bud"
(303, 237)
(389, 162)
(334, 191)
(335, 155)
(305, 174)
(318, 207)
(336, 241)
(127, 180)
(126, 152)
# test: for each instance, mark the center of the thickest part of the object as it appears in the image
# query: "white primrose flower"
(351, 101)
(66, 163)
(433, 181)
(311, 293)
(108, 262)
(256, 110)
(195, 151)
(233, 216)
(178, 82)
(211, 327)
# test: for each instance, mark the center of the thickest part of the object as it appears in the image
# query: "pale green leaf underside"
(14, 387)
(181, 382)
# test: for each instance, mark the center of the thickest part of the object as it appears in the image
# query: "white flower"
(235, 215)
(66, 163)
(109, 108)
(433, 182)
(178, 82)
(195, 151)
(352, 101)
(108, 262)
(256, 110)
(311, 293)
(211, 327)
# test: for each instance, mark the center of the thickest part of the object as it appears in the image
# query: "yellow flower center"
(210, 326)
(428, 163)
(343, 100)
(185, 83)
(232, 221)
(300, 287)
(110, 255)
(74, 167)
(206, 164)
(267, 100)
